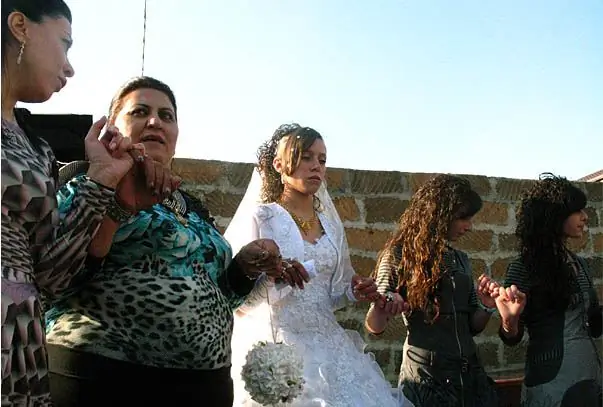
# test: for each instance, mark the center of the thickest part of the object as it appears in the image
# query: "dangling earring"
(317, 203)
(20, 55)
(283, 179)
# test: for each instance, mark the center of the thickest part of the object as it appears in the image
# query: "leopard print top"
(42, 252)
(161, 297)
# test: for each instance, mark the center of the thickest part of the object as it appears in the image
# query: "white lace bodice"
(310, 310)
(271, 221)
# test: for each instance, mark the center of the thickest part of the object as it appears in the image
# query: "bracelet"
(488, 310)
(252, 277)
(242, 269)
(98, 184)
(117, 213)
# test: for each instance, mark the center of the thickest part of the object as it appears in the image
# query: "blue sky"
(502, 88)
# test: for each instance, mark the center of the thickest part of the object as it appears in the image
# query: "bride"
(287, 201)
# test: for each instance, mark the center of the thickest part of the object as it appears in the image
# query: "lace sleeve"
(347, 297)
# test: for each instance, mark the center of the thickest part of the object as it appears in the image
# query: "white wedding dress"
(337, 371)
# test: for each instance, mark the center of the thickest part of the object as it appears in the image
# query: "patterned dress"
(163, 296)
(563, 367)
(42, 252)
(440, 366)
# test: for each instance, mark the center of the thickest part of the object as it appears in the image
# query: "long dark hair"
(540, 217)
(299, 140)
(422, 234)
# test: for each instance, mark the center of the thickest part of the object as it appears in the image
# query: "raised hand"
(146, 184)
(111, 156)
(487, 291)
(510, 303)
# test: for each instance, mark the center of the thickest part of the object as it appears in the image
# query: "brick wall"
(370, 202)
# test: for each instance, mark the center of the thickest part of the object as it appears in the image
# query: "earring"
(20, 55)
(283, 179)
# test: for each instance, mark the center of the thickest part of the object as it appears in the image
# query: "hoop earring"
(317, 203)
(20, 55)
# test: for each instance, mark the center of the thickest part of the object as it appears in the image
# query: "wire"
(144, 36)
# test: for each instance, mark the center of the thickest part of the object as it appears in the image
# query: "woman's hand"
(487, 291)
(294, 273)
(510, 303)
(364, 288)
(392, 304)
(146, 184)
(111, 156)
(263, 256)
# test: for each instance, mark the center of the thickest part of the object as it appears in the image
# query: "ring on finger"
(389, 297)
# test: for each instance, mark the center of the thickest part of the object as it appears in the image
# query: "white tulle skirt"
(337, 371)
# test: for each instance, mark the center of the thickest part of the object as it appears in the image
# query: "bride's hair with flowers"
(298, 140)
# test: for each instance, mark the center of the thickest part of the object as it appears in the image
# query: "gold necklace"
(305, 225)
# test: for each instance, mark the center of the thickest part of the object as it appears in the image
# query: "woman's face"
(310, 173)
(44, 66)
(148, 117)
(575, 224)
(459, 227)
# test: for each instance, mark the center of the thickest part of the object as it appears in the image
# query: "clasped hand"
(392, 304)
(141, 182)
(364, 288)
(263, 256)
(509, 301)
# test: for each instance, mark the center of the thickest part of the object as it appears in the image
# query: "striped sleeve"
(473, 302)
(516, 275)
(595, 310)
(387, 276)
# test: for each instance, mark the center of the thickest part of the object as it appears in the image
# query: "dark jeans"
(87, 380)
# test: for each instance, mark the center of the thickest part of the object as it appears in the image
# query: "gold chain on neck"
(305, 225)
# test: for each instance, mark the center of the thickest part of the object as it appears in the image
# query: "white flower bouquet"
(273, 373)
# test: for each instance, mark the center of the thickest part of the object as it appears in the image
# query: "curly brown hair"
(299, 139)
(422, 235)
(542, 244)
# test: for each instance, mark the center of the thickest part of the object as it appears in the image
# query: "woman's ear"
(17, 25)
(277, 163)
